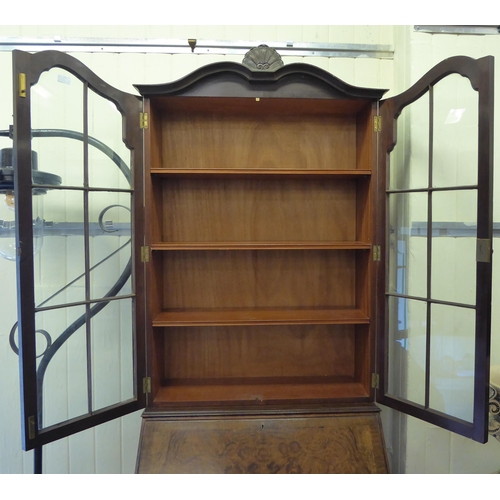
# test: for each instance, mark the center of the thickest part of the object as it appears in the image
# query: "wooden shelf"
(261, 316)
(230, 172)
(261, 245)
(259, 392)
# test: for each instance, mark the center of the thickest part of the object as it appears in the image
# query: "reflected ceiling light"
(45, 94)
(454, 116)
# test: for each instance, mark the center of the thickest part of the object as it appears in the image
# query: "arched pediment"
(268, 78)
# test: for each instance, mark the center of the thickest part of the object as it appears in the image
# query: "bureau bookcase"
(261, 250)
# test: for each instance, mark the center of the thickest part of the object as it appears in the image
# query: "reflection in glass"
(105, 126)
(63, 369)
(57, 103)
(407, 251)
(455, 137)
(63, 212)
(8, 226)
(407, 321)
(8, 248)
(110, 247)
(112, 354)
(409, 161)
(454, 246)
(452, 361)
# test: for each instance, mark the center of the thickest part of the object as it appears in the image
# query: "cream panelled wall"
(112, 447)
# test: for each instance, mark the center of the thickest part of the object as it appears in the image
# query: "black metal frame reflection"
(64, 229)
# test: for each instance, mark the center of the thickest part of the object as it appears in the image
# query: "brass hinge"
(22, 84)
(376, 252)
(31, 427)
(146, 385)
(375, 380)
(483, 250)
(143, 120)
(377, 123)
(144, 254)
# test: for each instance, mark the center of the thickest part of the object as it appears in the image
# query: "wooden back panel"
(249, 279)
(259, 351)
(253, 209)
(253, 135)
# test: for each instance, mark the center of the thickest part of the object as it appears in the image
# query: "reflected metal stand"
(37, 460)
(67, 229)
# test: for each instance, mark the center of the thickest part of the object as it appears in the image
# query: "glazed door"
(434, 278)
(80, 334)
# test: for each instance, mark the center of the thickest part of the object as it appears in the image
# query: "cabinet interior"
(260, 228)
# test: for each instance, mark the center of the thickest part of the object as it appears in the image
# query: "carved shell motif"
(263, 58)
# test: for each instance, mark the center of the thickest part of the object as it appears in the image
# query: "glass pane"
(63, 370)
(110, 246)
(61, 260)
(407, 244)
(452, 361)
(57, 106)
(7, 226)
(112, 354)
(455, 149)
(454, 246)
(409, 161)
(407, 321)
(8, 248)
(109, 158)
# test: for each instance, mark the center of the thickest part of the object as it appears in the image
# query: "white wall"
(111, 448)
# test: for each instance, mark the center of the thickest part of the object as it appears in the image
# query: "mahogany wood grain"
(260, 316)
(259, 351)
(364, 204)
(325, 444)
(260, 393)
(253, 173)
(363, 282)
(364, 356)
(260, 245)
(277, 209)
(365, 138)
(259, 279)
(201, 140)
(252, 107)
(156, 364)
(153, 135)
(151, 232)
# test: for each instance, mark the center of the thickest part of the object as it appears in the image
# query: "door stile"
(386, 142)
(485, 86)
(146, 187)
(22, 80)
